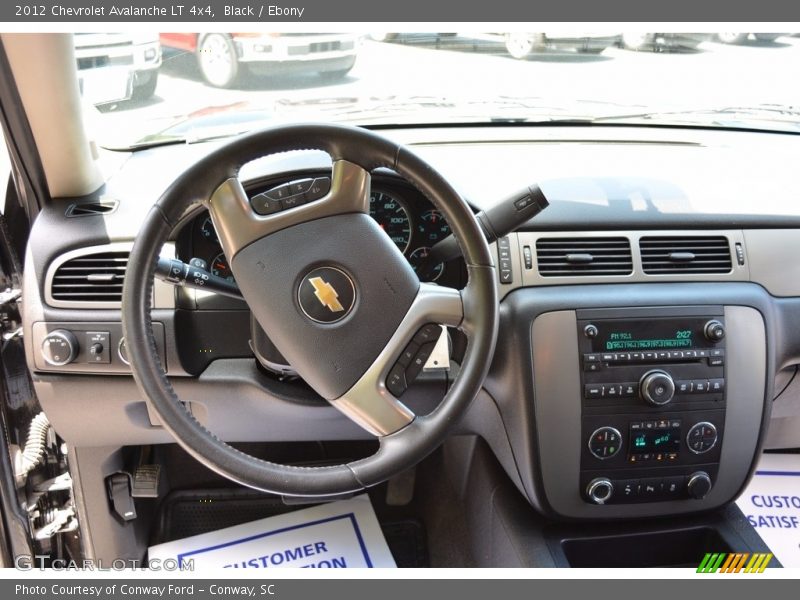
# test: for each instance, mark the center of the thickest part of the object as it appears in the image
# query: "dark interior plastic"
(677, 548)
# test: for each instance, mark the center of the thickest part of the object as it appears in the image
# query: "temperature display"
(656, 440)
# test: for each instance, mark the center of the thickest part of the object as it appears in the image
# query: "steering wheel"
(333, 293)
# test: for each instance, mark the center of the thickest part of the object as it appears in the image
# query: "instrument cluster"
(407, 217)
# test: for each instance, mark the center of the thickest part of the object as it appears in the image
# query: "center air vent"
(559, 257)
(90, 278)
(670, 255)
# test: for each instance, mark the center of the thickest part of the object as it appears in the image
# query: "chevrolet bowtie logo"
(326, 294)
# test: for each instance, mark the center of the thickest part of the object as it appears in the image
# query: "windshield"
(185, 87)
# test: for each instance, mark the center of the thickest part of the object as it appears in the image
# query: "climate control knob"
(657, 387)
(699, 485)
(600, 490)
(59, 348)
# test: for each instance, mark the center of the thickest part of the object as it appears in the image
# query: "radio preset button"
(607, 357)
(716, 385)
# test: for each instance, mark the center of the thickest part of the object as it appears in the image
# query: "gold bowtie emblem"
(326, 295)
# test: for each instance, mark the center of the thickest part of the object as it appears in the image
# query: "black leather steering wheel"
(333, 293)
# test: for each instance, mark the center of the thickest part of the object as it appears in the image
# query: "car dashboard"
(647, 320)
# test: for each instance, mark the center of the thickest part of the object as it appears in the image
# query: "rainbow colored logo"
(734, 562)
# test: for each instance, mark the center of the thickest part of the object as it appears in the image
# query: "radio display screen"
(657, 334)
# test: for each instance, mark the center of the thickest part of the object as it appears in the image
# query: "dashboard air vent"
(90, 278)
(559, 257)
(88, 209)
(672, 255)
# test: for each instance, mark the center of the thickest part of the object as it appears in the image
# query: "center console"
(646, 410)
(653, 405)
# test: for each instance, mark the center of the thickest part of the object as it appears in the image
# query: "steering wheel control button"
(408, 354)
(318, 189)
(59, 347)
(99, 347)
(396, 381)
(699, 485)
(418, 362)
(605, 443)
(264, 205)
(301, 186)
(600, 490)
(657, 387)
(278, 193)
(326, 295)
(702, 437)
(428, 333)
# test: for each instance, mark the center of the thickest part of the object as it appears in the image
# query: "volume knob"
(59, 348)
(657, 387)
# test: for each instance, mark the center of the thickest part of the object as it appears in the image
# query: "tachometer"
(393, 218)
(207, 230)
(221, 268)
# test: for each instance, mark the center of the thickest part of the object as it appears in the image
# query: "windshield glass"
(179, 87)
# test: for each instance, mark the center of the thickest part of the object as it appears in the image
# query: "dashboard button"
(700, 386)
(650, 356)
(278, 193)
(593, 390)
(605, 443)
(629, 389)
(716, 385)
(396, 380)
(628, 488)
(702, 354)
(428, 333)
(673, 486)
(663, 355)
(608, 357)
(264, 205)
(651, 486)
(408, 354)
(591, 358)
(611, 391)
(420, 358)
(592, 367)
(293, 201)
(301, 186)
(683, 387)
(318, 189)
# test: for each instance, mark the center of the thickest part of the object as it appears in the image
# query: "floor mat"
(771, 503)
(192, 512)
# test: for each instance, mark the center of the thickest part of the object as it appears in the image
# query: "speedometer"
(393, 218)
